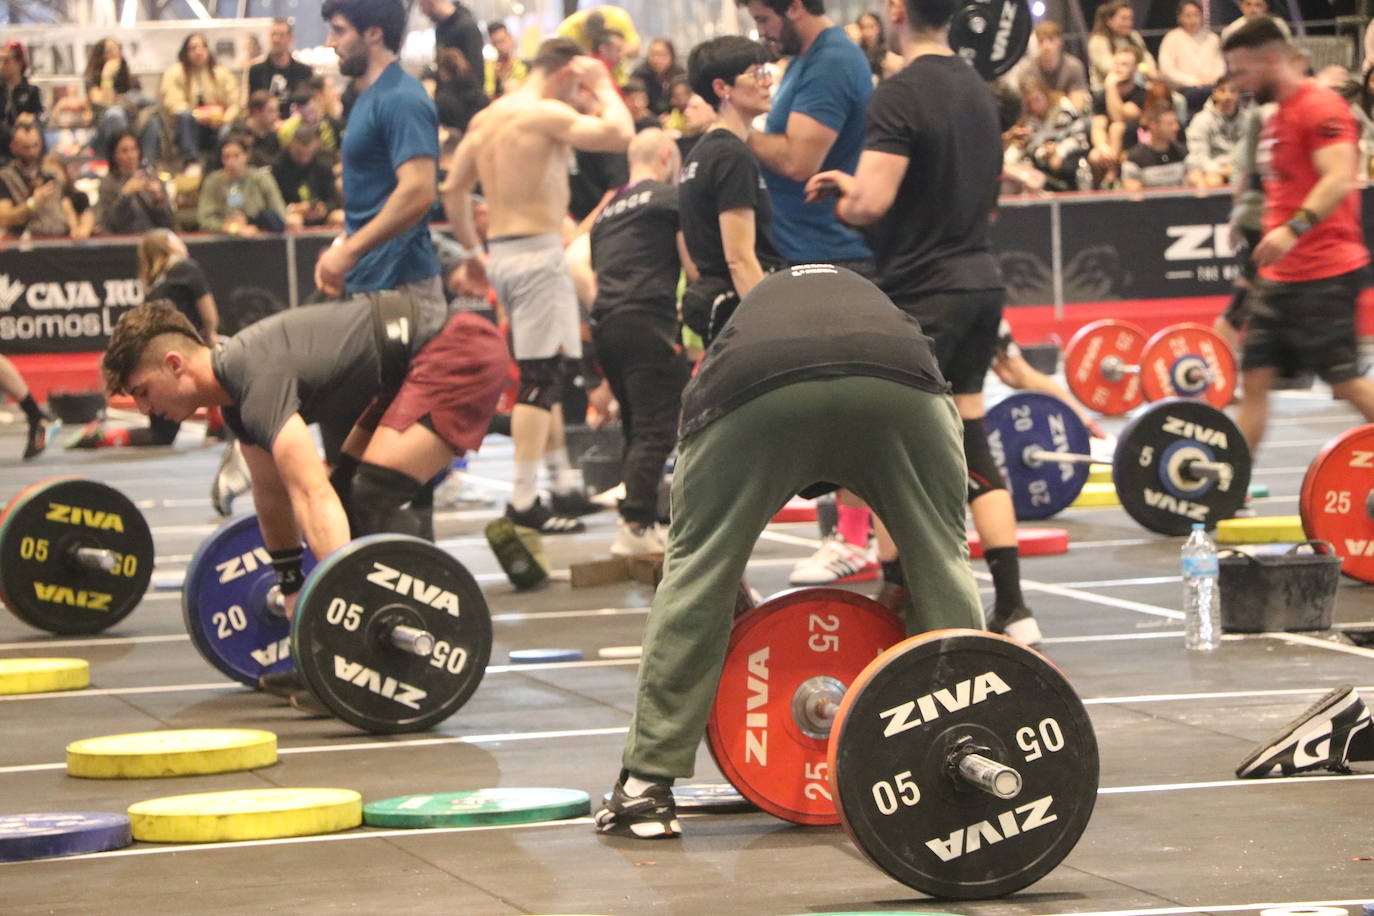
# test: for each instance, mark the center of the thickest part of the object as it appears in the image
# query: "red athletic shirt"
(1306, 121)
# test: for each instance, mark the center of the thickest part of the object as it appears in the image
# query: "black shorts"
(1237, 309)
(963, 327)
(1307, 325)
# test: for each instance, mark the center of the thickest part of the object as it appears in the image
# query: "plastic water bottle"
(1201, 603)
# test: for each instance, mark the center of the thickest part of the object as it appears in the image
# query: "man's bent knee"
(984, 477)
(541, 382)
(381, 501)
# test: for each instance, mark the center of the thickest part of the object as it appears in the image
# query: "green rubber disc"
(477, 808)
(1259, 491)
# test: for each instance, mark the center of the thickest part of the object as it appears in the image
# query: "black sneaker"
(651, 816)
(1319, 739)
(574, 504)
(1018, 624)
(538, 517)
(37, 440)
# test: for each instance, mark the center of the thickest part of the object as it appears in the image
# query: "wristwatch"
(1301, 223)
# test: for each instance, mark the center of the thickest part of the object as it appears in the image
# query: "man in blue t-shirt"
(390, 151)
(817, 123)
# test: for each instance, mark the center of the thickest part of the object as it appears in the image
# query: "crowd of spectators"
(211, 151)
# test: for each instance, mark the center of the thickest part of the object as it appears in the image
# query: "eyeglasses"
(761, 74)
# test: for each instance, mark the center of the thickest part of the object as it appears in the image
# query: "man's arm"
(866, 196)
(609, 130)
(1337, 164)
(797, 153)
(689, 267)
(272, 502)
(302, 479)
(737, 235)
(457, 193)
(407, 205)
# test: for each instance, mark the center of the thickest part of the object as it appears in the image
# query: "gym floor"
(1173, 830)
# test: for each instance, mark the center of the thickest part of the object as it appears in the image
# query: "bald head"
(653, 153)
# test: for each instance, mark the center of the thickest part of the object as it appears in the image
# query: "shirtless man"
(519, 148)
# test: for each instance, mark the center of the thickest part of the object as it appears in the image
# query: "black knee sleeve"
(541, 382)
(381, 501)
(983, 475)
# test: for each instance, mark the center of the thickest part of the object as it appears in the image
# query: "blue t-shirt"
(392, 122)
(831, 83)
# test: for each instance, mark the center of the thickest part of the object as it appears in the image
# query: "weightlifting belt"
(393, 328)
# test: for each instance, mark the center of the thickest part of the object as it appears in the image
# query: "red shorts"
(454, 381)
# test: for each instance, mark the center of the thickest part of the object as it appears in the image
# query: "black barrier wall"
(64, 298)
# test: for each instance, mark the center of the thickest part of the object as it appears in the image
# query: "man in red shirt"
(1312, 257)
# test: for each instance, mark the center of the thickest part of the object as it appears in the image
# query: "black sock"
(32, 410)
(892, 572)
(1005, 565)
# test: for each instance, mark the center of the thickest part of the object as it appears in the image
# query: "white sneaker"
(628, 543)
(836, 561)
(231, 480)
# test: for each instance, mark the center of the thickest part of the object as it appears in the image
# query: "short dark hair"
(1258, 32)
(387, 15)
(723, 58)
(634, 84)
(1157, 111)
(555, 54)
(238, 138)
(496, 25)
(1187, 3)
(280, 20)
(133, 334)
(931, 14)
(306, 134)
(814, 7)
(259, 99)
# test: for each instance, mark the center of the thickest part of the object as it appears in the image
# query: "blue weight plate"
(538, 656)
(1027, 420)
(45, 836)
(224, 602)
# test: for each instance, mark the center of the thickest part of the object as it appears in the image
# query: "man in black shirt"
(816, 378)
(926, 185)
(306, 181)
(279, 73)
(727, 216)
(1116, 115)
(1161, 163)
(456, 28)
(636, 244)
(408, 386)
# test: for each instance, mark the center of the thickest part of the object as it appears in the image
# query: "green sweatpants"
(899, 448)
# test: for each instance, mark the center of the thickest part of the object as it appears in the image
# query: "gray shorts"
(532, 280)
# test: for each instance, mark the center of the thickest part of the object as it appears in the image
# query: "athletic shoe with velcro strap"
(836, 561)
(1319, 739)
(650, 816)
(538, 517)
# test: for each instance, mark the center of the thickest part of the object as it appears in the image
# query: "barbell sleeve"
(412, 639)
(96, 558)
(989, 776)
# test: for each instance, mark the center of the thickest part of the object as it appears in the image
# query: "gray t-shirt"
(319, 361)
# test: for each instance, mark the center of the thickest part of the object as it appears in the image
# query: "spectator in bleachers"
(279, 73)
(1190, 57)
(305, 178)
(1160, 162)
(199, 96)
(237, 199)
(1342, 81)
(697, 115)
(31, 201)
(132, 200)
(1114, 29)
(1212, 137)
(658, 73)
(1253, 9)
(113, 92)
(1060, 72)
(316, 103)
(637, 100)
(20, 100)
(76, 204)
(506, 72)
(459, 79)
(608, 46)
(260, 122)
(1116, 107)
(873, 42)
(582, 25)
(1056, 136)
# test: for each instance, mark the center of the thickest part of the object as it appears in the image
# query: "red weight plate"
(1188, 361)
(796, 510)
(1088, 362)
(1032, 542)
(766, 732)
(1337, 502)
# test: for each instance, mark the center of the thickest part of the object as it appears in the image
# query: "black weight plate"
(891, 742)
(1152, 452)
(992, 35)
(349, 604)
(1028, 420)
(224, 603)
(40, 581)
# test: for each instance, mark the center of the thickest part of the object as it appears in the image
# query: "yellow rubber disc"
(43, 675)
(1278, 529)
(1100, 473)
(150, 755)
(1097, 494)
(251, 814)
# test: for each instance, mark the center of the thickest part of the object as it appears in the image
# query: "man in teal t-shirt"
(817, 123)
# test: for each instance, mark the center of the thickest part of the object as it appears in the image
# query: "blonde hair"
(156, 252)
